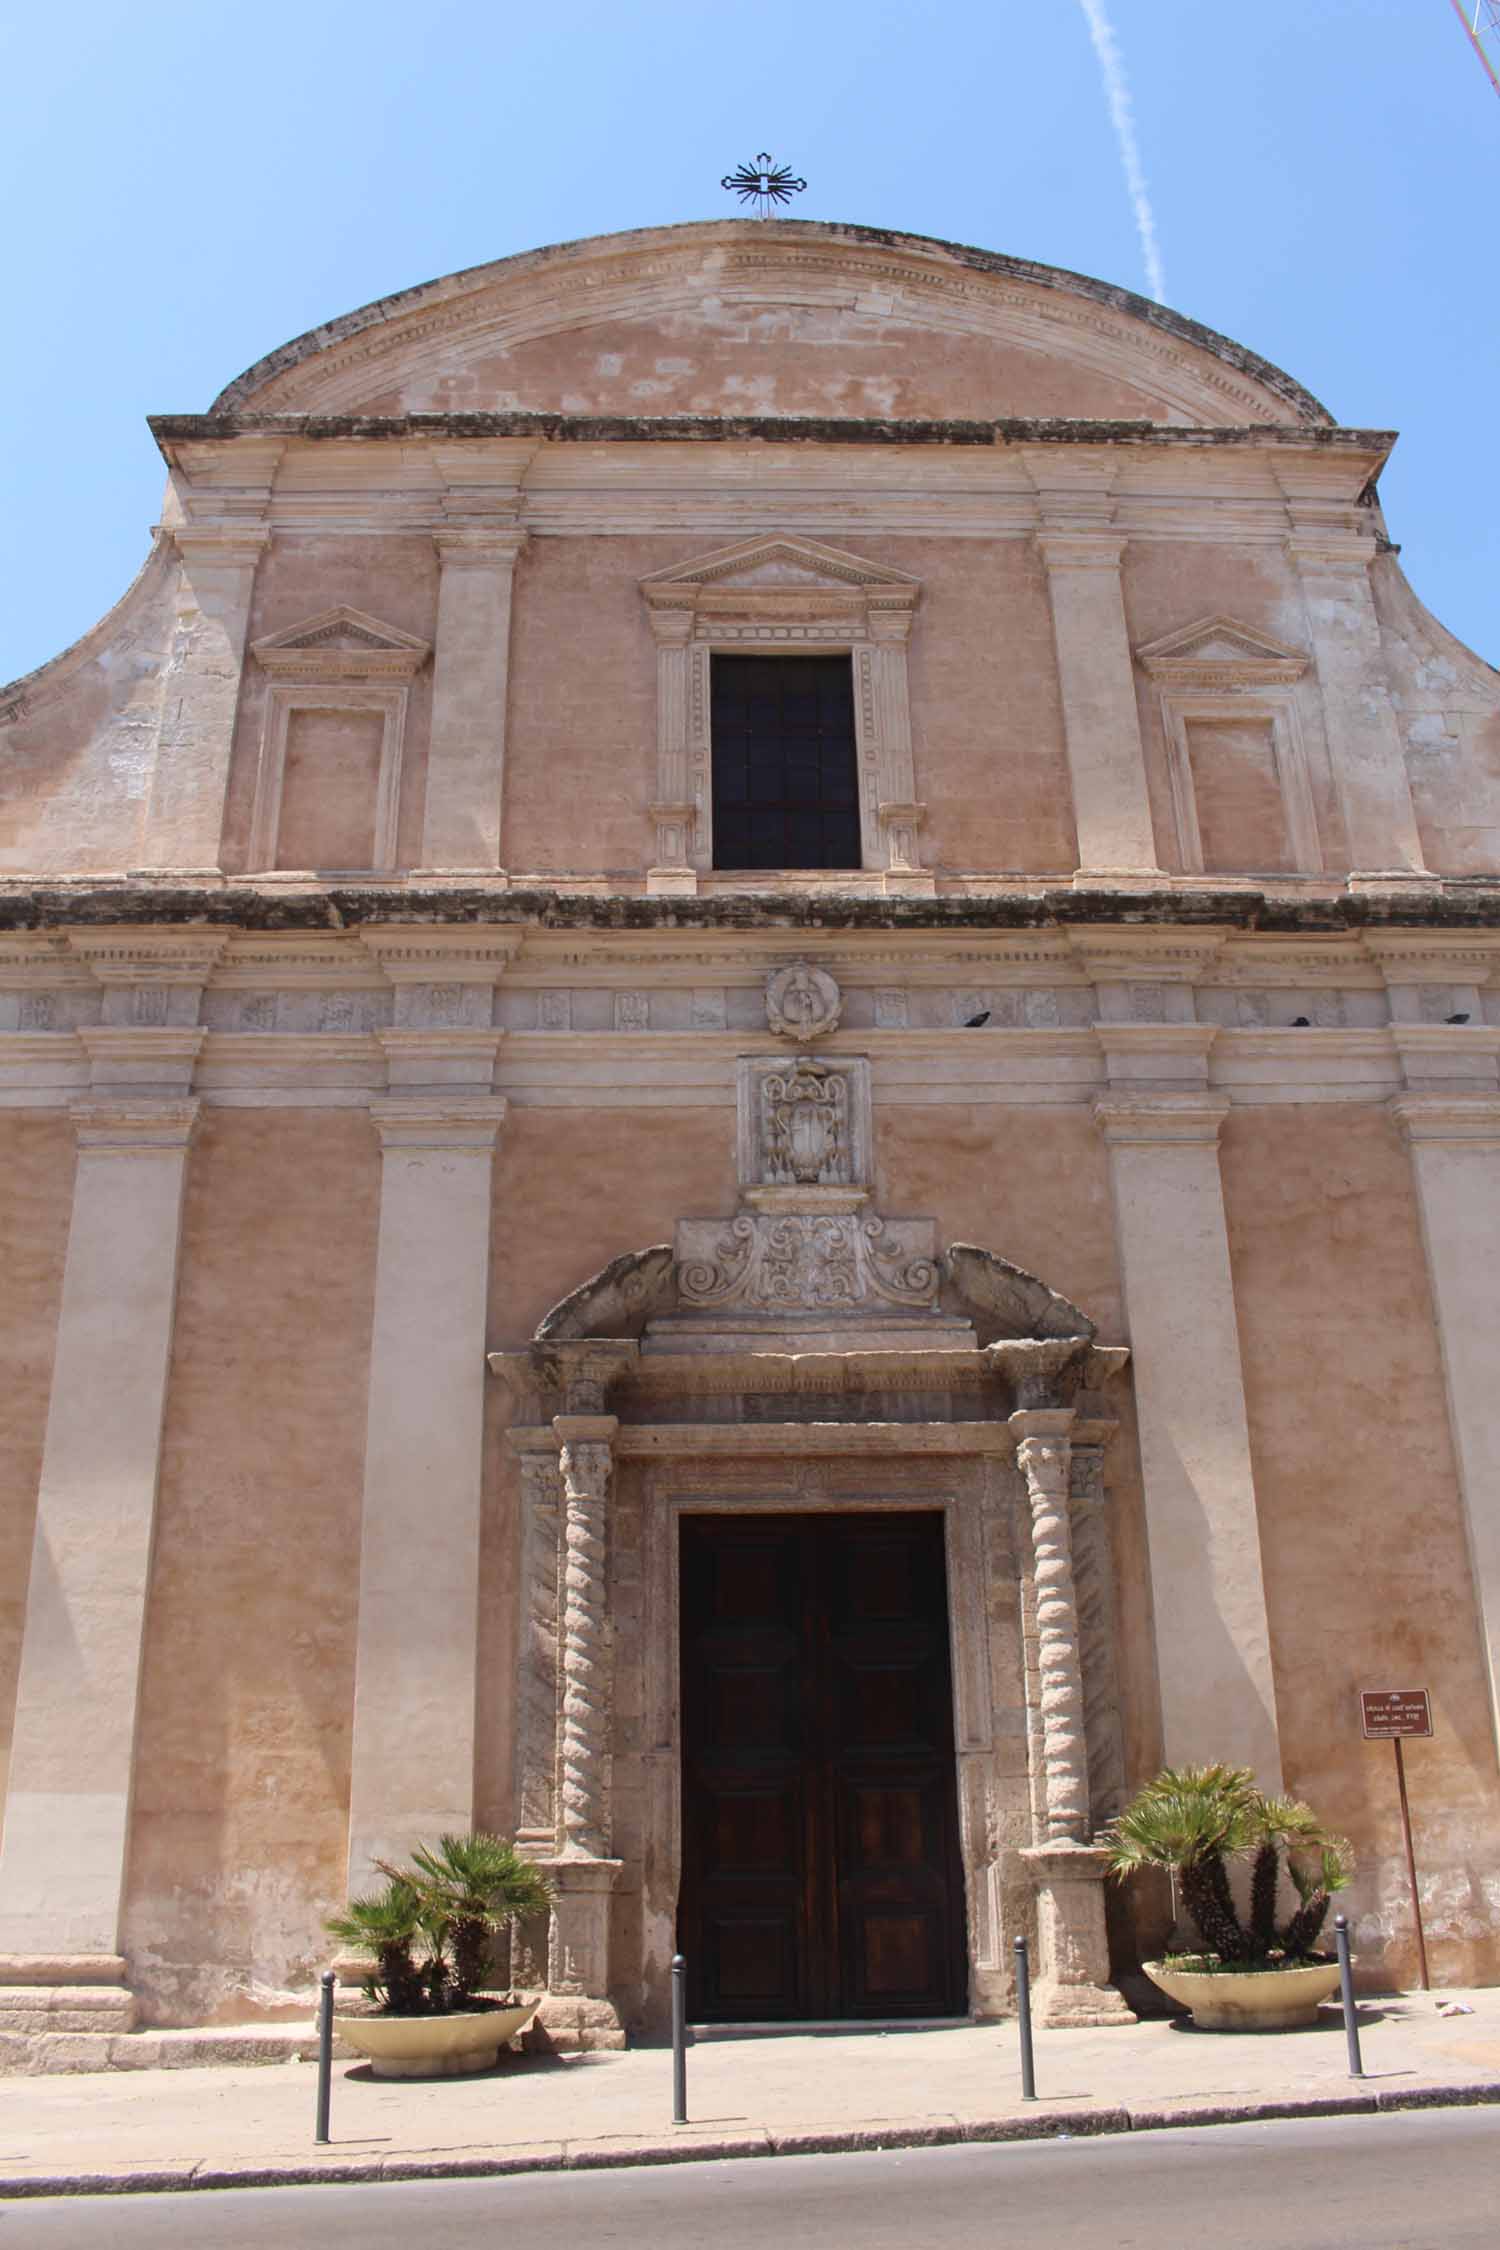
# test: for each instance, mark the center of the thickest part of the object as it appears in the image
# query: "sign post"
(1389, 1715)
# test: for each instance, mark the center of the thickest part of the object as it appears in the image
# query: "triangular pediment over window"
(341, 644)
(778, 567)
(1218, 651)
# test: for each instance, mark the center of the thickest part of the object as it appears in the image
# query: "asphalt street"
(1415, 2181)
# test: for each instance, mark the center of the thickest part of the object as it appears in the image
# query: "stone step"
(37, 2053)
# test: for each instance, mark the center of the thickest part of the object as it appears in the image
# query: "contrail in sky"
(1117, 88)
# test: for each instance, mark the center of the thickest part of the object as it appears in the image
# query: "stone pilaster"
(1101, 719)
(1359, 716)
(1042, 1455)
(471, 671)
(1455, 1153)
(417, 1649)
(67, 1818)
(1212, 1633)
(200, 696)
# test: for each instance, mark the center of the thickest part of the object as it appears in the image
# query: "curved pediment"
(790, 317)
(1003, 1302)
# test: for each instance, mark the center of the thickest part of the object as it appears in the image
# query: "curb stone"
(587, 2157)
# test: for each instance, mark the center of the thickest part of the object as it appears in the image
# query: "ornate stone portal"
(807, 1352)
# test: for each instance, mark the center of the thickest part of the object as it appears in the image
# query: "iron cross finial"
(763, 183)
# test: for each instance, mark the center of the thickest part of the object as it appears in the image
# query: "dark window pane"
(785, 775)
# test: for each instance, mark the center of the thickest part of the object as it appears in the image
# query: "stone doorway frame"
(972, 1518)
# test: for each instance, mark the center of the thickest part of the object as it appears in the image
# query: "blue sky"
(186, 188)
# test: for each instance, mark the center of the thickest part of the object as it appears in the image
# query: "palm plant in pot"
(427, 1936)
(1260, 1974)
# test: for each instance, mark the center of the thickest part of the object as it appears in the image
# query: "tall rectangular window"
(785, 769)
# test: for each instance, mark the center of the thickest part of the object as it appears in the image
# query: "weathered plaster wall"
(78, 738)
(991, 1176)
(582, 727)
(1362, 1538)
(1448, 704)
(991, 764)
(986, 719)
(393, 577)
(573, 1189)
(721, 356)
(36, 1194)
(242, 1768)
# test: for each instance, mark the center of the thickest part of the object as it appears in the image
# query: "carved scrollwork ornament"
(803, 1002)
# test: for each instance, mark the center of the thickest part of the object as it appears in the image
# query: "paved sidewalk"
(117, 2131)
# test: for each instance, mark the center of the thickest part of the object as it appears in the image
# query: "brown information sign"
(1390, 1713)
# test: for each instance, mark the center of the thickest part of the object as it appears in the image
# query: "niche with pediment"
(787, 596)
(328, 782)
(1241, 799)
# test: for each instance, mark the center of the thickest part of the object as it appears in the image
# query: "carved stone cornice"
(125, 956)
(1433, 956)
(1127, 956)
(442, 956)
(1158, 1119)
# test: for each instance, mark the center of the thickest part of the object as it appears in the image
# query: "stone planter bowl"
(433, 2046)
(1265, 2000)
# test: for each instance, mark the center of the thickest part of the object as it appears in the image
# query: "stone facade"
(1110, 1162)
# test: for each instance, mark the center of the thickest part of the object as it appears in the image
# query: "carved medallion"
(802, 1002)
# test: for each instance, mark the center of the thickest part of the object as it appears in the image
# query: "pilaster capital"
(1149, 1120)
(585, 1429)
(473, 546)
(1053, 1423)
(134, 1128)
(671, 622)
(1330, 553)
(1460, 1120)
(162, 1058)
(221, 546)
(461, 1123)
(1081, 548)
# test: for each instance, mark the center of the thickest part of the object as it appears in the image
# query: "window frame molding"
(342, 660)
(837, 604)
(1257, 679)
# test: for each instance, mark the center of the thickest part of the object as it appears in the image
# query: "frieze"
(807, 1262)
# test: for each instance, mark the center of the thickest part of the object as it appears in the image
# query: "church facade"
(750, 1104)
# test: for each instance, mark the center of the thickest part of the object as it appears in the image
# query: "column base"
(671, 882)
(1072, 1987)
(578, 1940)
(908, 882)
(65, 1992)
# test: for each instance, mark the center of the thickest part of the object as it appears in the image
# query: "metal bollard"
(1346, 1989)
(679, 2040)
(1023, 2010)
(325, 2052)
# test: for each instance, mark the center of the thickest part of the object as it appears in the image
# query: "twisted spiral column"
(1043, 1452)
(586, 1685)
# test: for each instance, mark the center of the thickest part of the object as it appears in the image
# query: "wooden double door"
(821, 1872)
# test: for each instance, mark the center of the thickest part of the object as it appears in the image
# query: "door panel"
(821, 1874)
